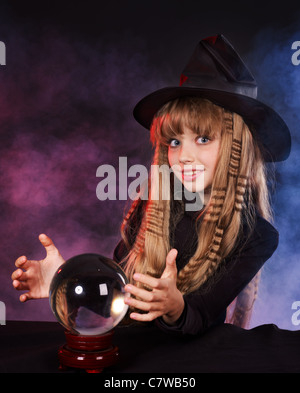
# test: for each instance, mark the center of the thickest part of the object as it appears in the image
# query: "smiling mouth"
(191, 175)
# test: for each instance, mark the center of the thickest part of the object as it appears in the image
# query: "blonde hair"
(239, 189)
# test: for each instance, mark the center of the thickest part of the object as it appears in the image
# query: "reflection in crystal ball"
(87, 294)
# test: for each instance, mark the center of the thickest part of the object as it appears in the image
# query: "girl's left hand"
(164, 300)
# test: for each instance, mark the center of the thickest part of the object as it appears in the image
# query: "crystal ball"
(87, 294)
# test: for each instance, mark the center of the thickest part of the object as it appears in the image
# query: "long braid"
(239, 313)
(222, 218)
(223, 207)
(149, 251)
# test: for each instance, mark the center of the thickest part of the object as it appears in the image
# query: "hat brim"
(268, 126)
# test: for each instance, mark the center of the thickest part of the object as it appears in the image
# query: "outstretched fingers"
(48, 244)
(19, 274)
(25, 296)
(22, 262)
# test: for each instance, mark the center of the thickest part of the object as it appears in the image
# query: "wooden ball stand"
(90, 353)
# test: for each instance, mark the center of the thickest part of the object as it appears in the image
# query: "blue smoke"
(279, 86)
(66, 108)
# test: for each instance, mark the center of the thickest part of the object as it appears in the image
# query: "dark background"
(73, 73)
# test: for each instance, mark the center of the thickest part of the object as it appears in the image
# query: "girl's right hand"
(35, 276)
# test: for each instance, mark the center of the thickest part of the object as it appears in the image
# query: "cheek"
(212, 161)
(172, 157)
(212, 156)
(215, 156)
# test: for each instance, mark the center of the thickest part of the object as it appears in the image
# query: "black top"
(207, 306)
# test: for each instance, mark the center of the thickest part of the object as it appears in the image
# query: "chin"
(193, 188)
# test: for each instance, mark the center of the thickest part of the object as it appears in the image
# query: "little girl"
(185, 266)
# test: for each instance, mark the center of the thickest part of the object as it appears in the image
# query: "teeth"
(190, 173)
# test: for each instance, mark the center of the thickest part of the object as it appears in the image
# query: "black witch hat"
(216, 72)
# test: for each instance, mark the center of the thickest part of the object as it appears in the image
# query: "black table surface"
(31, 347)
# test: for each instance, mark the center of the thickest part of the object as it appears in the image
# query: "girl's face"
(193, 158)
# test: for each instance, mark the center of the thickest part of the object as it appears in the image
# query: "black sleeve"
(203, 308)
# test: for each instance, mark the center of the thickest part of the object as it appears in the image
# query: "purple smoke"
(66, 111)
(66, 107)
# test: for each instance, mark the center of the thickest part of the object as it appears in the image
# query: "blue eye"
(202, 140)
(174, 142)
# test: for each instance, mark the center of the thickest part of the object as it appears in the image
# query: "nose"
(186, 155)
